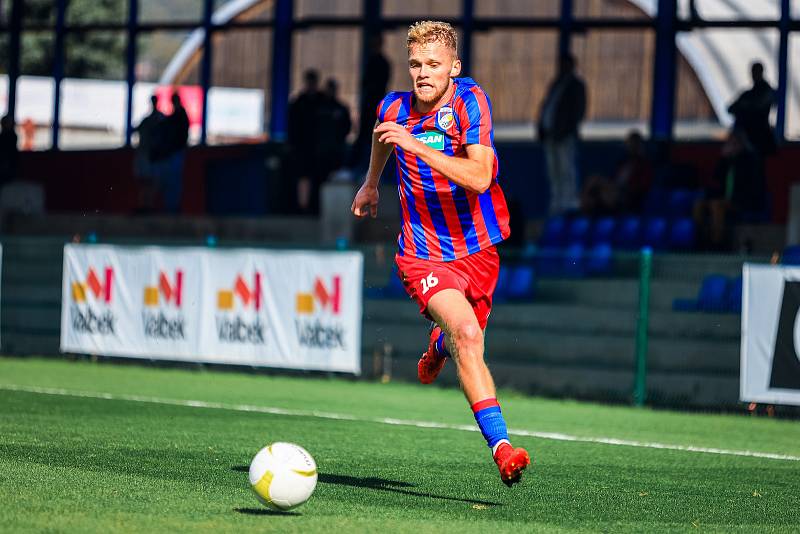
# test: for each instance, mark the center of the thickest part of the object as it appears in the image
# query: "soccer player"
(454, 213)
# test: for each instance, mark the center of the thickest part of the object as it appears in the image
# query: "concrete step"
(29, 344)
(572, 318)
(29, 294)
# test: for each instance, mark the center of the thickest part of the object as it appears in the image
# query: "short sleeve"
(386, 104)
(475, 117)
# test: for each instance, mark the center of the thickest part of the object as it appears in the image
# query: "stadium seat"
(712, 297)
(553, 234)
(735, 295)
(603, 230)
(655, 233)
(791, 255)
(578, 232)
(681, 234)
(574, 261)
(599, 259)
(521, 283)
(549, 261)
(656, 202)
(681, 203)
(628, 233)
(501, 290)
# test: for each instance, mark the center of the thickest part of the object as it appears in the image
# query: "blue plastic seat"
(554, 232)
(627, 235)
(603, 230)
(549, 261)
(501, 290)
(791, 255)
(599, 259)
(656, 202)
(578, 232)
(574, 261)
(681, 203)
(735, 295)
(521, 283)
(681, 234)
(655, 233)
(713, 294)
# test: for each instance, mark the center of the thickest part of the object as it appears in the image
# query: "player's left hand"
(393, 133)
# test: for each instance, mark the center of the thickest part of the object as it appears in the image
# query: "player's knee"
(467, 335)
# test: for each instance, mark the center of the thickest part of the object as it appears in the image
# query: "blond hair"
(429, 31)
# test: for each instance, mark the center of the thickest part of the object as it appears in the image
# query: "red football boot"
(431, 363)
(511, 462)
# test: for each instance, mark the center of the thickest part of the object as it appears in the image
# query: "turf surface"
(71, 463)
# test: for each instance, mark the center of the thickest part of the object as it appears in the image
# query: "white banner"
(298, 310)
(770, 361)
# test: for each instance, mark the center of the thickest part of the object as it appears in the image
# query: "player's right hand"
(366, 202)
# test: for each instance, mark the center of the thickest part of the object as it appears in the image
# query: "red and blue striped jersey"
(442, 221)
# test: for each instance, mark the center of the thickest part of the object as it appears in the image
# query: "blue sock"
(490, 421)
(441, 346)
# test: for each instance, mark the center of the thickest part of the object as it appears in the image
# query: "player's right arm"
(366, 201)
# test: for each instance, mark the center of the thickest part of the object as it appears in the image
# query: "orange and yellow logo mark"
(172, 292)
(247, 294)
(101, 289)
(327, 298)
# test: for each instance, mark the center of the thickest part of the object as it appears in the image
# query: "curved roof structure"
(720, 57)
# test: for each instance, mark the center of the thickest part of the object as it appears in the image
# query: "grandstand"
(596, 311)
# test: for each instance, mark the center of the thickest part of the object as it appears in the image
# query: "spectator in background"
(560, 116)
(173, 136)
(627, 190)
(303, 125)
(9, 151)
(751, 113)
(149, 131)
(737, 189)
(334, 124)
(373, 88)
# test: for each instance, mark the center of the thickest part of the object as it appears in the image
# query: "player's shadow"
(392, 485)
(380, 484)
(264, 511)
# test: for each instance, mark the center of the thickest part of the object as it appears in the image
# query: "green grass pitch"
(73, 462)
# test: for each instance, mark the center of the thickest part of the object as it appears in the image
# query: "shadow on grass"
(380, 484)
(264, 511)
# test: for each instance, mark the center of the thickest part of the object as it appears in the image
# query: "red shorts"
(474, 276)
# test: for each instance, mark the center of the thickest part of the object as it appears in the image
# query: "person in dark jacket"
(560, 116)
(751, 113)
(9, 152)
(373, 88)
(738, 188)
(302, 137)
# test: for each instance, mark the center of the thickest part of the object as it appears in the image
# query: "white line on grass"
(389, 421)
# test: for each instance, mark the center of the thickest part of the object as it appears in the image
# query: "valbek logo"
(317, 323)
(91, 298)
(241, 323)
(162, 317)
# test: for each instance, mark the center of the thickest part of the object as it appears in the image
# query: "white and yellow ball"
(283, 475)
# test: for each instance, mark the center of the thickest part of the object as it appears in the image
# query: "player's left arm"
(474, 173)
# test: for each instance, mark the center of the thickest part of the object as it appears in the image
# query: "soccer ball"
(283, 475)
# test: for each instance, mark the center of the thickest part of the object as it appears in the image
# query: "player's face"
(431, 66)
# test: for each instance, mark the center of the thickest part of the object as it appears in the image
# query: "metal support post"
(662, 116)
(205, 70)
(281, 69)
(642, 323)
(130, 66)
(58, 69)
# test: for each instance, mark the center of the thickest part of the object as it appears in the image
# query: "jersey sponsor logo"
(445, 118)
(433, 139)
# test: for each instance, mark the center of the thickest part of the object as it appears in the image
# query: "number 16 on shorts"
(428, 283)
